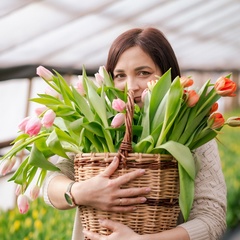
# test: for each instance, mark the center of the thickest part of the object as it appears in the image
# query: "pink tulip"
(79, 86)
(33, 126)
(101, 71)
(144, 93)
(118, 120)
(23, 123)
(186, 81)
(118, 105)
(216, 120)
(44, 73)
(34, 192)
(99, 78)
(40, 110)
(23, 204)
(18, 190)
(7, 166)
(52, 92)
(192, 98)
(225, 87)
(48, 118)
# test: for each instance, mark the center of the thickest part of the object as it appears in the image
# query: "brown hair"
(150, 40)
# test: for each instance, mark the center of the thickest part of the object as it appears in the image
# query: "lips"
(137, 99)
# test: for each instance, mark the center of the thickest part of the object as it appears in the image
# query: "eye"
(119, 76)
(144, 73)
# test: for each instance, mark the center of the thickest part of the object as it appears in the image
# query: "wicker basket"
(160, 211)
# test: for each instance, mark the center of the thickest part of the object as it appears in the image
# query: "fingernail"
(142, 171)
(135, 208)
(148, 190)
(115, 158)
(143, 199)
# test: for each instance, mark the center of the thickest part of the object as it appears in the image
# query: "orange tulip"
(225, 87)
(216, 120)
(214, 108)
(186, 81)
(192, 98)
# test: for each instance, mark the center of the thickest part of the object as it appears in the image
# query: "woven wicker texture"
(161, 210)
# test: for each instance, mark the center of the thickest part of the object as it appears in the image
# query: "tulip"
(40, 110)
(33, 126)
(7, 166)
(23, 123)
(186, 82)
(216, 121)
(23, 204)
(144, 93)
(118, 120)
(52, 92)
(101, 71)
(151, 84)
(79, 86)
(214, 108)
(48, 118)
(18, 190)
(44, 73)
(192, 98)
(99, 78)
(118, 105)
(225, 87)
(34, 192)
(233, 121)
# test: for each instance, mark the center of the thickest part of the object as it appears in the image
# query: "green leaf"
(37, 159)
(54, 144)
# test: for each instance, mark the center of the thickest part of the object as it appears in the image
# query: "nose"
(132, 83)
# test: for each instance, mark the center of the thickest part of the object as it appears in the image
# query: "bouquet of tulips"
(89, 117)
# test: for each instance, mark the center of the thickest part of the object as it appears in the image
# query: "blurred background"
(66, 34)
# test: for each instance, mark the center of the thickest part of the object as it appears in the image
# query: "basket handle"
(126, 145)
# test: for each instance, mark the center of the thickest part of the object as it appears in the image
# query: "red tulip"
(186, 81)
(225, 87)
(214, 108)
(192, 98)
(216, 121)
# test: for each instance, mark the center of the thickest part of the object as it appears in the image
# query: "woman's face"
(135, 68)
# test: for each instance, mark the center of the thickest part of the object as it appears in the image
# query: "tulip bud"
(18, 190)
(34, 192)
(151, 84)
(192, 98)
(214, 108)
(99, 78)
(225, 87)
(118, 105)
(216, 121)
(7, 166)
(118, 120)
(79, 86)
(186, 82)
(40, 110)
(48, 118)
(33, 126)
(233, 121)
(23, 204)
(23, 123)
(144, 93)
(44, 73)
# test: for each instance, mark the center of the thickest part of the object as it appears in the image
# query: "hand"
(119, 231)
(103, 193)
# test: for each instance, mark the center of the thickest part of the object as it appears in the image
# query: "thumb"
(109, 224)
(111, 168)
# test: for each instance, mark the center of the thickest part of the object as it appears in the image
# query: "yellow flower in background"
(38, 225)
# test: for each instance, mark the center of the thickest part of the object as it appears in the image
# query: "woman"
(135, 58)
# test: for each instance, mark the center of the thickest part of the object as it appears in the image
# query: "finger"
(109, 224)
(132, 192)
(91, 235)
(130, 201)
(111, 168)
(129, 176)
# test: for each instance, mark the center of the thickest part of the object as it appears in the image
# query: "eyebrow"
(136, 69)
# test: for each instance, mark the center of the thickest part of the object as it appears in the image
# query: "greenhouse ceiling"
(67, 34)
